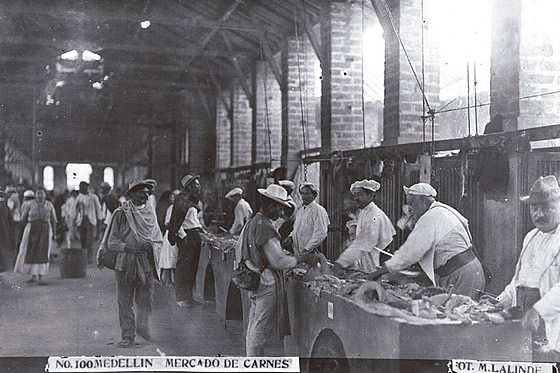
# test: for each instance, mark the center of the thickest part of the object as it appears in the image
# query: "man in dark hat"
(89, 211)
(134, 233)
(261, 252)
(184, 230)
(535, 286)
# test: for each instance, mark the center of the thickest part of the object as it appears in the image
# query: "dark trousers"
(187, 265)
(87, 230)
(127, 294)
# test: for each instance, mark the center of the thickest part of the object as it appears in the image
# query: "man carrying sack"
(133, 233)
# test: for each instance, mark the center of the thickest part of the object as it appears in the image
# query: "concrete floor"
(71, 317)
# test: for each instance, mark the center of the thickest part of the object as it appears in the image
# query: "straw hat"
(185, 181)
(276, 193)
(234, 192)
(136, 183)
(543, 190)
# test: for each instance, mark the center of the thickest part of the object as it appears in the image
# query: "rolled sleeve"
(276, 257)
(418, 243)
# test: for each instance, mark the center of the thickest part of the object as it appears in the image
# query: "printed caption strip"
(474, 366)
(172, 364)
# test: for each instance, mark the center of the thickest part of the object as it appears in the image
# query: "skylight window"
(70, 56)
(90, 56)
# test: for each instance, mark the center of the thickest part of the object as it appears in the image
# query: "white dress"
(166, 257)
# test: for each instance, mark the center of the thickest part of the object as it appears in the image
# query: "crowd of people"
(162, 241)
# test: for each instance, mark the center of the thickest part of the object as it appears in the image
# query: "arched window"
(48, 178)
(76, 172)
(109, 176)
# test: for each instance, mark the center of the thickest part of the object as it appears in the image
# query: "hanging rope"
(394, 27)
(266, 118)
(475, 102)
(468, 98)
(300, 95)
(363, 80)
(424, 117)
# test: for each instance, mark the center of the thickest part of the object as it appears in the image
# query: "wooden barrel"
(73, 263)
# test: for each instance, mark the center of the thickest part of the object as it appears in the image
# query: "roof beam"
(100, 16)
(203, 99)
(206, 39)
(315, 42)
(126, 47)
(240, 75)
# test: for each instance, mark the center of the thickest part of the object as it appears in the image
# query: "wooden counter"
(336, 325)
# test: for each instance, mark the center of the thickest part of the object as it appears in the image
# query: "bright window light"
(145, 24)
(70, 56)
(48, 178)
(76, 172)
(90, 56)
(109, 176)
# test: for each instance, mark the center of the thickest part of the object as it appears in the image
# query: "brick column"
(242, 127)
(403, 98)
(341, 100)
(223, 131)
(268, 129)
(297, 98)
(525, 62)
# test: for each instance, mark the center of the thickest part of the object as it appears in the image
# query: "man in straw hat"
(535, 286)
(311, 222)
(261, 251)
(134, 233)
(184, 230)
(242, 210)
(374, 229)
(440, 242)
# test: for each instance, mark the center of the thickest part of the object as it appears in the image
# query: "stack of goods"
(426, 305)
(224, 243)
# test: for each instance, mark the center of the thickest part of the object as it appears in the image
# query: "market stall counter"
(329, 325)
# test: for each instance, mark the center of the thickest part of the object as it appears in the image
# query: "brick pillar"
(268, 128)
(525, 62)
(403, 98)
(223, 131)
(341, 100)
(242, 127)
(59, 179)
(299, 73)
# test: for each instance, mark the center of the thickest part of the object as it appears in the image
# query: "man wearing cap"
(184, 230)
(374, 229)
(261, 251)
(89, 213)
(134, 233)
(535, 286)
(440, 242)
(311, 223)
(242, 211)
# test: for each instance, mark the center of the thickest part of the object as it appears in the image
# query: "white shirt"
(310, 227)
(88, 205)
(191, 222)
(541, 250)
(243, 212)
(374, 229)
(437, 236)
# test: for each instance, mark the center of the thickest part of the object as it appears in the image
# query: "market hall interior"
(462, 95)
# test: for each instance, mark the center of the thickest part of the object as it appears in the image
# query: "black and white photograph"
(337, 186)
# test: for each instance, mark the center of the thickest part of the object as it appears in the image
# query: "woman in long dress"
(40, 219)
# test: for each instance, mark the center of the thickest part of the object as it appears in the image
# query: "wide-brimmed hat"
(310, 185)
(151, 182)
(234, 192)
(28, 194)
(543, 190)
(136, 183)
(420, 189)
(185, 181)
(372, 185)
(276, 193)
